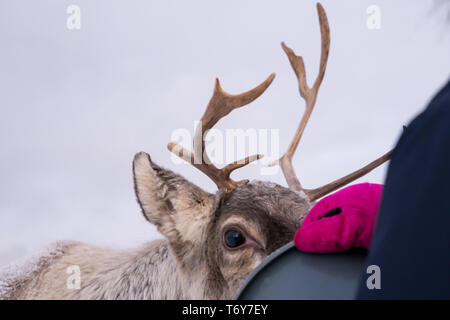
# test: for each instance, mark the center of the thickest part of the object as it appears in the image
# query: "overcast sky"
(76, 105)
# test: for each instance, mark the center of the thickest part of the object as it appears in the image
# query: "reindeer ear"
(179, 209)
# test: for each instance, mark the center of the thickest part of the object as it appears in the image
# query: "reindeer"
(212, 241)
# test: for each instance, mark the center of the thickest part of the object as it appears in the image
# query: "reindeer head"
(219, 239)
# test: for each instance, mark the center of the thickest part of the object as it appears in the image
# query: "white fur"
(150, 272)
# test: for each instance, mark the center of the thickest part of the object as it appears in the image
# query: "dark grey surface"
(291, 274)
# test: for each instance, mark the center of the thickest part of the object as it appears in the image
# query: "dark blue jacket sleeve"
(411, 243)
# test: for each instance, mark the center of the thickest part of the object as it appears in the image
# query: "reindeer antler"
(220, 105)
(310, 95)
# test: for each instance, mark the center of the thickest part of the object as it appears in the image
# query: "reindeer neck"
(150, 272)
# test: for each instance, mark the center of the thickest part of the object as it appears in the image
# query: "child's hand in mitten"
(341, 221)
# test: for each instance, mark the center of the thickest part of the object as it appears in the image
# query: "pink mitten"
(341, 221)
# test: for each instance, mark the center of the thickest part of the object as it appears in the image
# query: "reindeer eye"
(233, 238)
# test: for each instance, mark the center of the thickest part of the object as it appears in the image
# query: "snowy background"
(76, 105)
